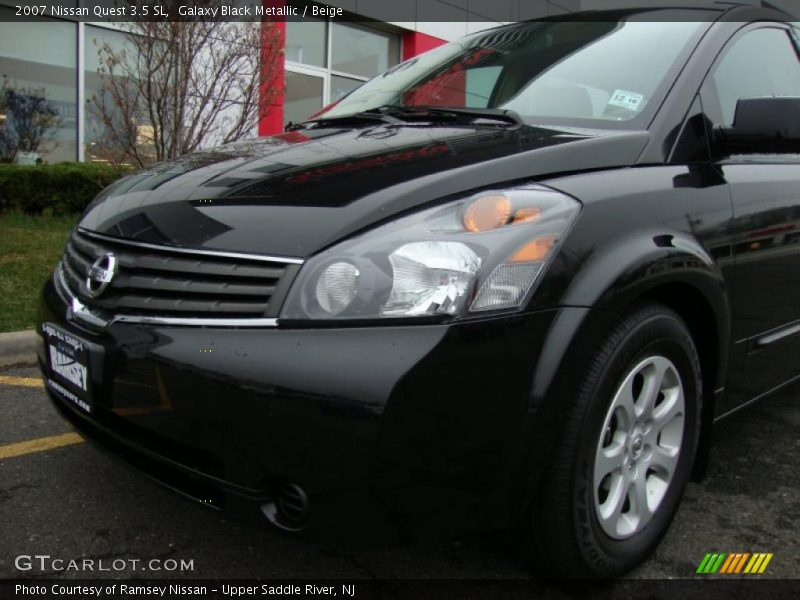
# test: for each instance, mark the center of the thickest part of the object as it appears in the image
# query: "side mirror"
(767, 125)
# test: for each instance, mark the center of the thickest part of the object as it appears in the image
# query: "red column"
(415, 43)
(270, 121)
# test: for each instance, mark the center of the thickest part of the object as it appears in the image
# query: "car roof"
(689, 9)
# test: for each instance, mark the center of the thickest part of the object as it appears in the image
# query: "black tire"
(565, 535)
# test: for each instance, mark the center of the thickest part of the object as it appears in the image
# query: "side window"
(762, 62)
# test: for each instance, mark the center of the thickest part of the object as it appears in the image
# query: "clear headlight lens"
(430, 277)
(337, 287)
(477, 254)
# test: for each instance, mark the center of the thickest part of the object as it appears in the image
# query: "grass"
(30, 247)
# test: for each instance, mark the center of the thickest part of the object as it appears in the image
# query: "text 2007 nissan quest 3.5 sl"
(510, 283)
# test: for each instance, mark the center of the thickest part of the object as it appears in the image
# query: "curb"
(18, 348)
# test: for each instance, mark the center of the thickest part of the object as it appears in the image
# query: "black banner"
(680, 589)
(402, 11)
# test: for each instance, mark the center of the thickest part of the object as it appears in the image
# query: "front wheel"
(625, 450)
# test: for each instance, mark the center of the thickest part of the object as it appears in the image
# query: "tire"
(613, 485)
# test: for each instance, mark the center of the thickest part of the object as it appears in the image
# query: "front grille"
(161, 281)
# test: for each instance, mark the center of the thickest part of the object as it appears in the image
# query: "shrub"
(60, 189)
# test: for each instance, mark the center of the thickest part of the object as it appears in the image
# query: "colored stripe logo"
(735, 562)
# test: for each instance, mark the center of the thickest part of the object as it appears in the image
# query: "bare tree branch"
(181, 86)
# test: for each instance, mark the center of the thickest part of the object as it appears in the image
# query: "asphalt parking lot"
(62, 497)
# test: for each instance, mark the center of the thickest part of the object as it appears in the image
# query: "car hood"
(296, 193)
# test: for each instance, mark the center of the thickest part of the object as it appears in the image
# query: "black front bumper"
(397, 431)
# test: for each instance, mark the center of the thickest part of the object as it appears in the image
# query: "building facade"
(324, 59)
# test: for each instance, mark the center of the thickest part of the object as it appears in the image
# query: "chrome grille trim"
(81, 312)
(215, 253)
(156, 281)
(165, 285)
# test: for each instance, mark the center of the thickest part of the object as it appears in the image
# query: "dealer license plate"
(69, 366)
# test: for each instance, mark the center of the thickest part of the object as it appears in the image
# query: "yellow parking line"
(39, 445)
(33, 382)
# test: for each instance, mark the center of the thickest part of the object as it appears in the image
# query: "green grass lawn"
(30, 247)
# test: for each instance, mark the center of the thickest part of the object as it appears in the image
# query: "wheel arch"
(697, 312)
(668, 268)
(699, 297)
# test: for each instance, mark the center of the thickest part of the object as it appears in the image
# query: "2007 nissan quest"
(510, 282)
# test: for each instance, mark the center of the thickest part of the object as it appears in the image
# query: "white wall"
(451, 19)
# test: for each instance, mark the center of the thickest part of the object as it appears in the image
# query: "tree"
(28, 123)
(177, 87)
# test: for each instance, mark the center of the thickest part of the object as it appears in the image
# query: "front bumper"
(397, 431)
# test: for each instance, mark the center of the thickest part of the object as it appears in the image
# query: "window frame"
(327, 73)
(308, 70)
(77, 82)
(709, 95)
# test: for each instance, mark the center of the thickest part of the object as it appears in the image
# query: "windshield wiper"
(405, 115)
(368, 117)
(450, 113)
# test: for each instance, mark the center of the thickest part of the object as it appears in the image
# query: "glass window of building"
(358, 51)
(37, 72)
(341, 86)
(307, 42)
(303, 96)
(326, 60)
(98, 142)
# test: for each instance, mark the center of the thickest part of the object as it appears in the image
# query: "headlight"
(476, 254)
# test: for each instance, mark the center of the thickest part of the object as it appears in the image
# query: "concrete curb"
(18, 348)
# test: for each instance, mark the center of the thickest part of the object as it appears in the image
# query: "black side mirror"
(763, 125)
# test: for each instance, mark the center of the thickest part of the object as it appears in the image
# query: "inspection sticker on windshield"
(623, 99)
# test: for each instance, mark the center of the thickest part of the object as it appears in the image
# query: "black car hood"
(299, 192)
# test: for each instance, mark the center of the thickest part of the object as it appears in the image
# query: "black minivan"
(512, 282)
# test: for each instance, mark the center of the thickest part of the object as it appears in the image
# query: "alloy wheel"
(639, 447)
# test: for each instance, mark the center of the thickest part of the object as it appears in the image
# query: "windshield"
(583, 73)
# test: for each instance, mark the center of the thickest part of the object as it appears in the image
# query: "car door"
(761, 60)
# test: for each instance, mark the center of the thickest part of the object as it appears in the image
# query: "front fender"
(652, 264)
(631, 267)
(673, 268)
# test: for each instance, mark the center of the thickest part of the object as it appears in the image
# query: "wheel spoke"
(664, 461)
(639, 506)
(671, 407)
(653, 375)
(624, 403)
(611, 509)
(609, 460)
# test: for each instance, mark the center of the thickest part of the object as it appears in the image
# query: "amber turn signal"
(535, 250)
(487, 213)
(526, 215)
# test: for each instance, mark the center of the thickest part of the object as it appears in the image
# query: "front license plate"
(68, 359)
